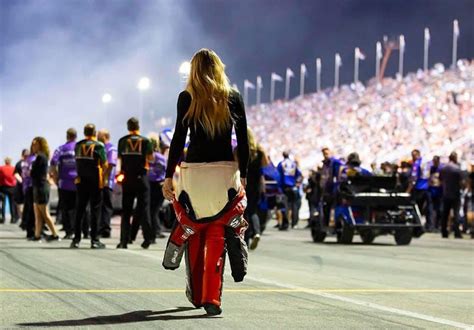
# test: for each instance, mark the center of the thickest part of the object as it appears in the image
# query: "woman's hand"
(168, 190)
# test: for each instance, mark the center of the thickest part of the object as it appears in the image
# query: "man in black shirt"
(134, 152)
(451, 177)
(91, 163)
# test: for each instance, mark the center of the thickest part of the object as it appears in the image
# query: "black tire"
(345, 232)
(367, 236)
(403, 236)
(318, 235)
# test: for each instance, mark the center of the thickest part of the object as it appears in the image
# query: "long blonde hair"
(210, 89)
(255, 148)
(43, 146)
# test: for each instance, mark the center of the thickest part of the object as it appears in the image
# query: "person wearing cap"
(91, 163)
(134, 154)
(63, 171)
(353, 168)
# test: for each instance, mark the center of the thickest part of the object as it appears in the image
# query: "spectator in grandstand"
(451, 177)
(290, 181)
(41, 189)
(254, 189)
(7, 190)
(435, 192)
(418, 186)
(329, 182)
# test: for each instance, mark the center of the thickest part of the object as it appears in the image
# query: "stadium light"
(106, 98)
(185, 68)
(144, 83)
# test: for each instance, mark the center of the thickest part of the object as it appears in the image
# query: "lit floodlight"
(106, 98)
(185, 68)
(144, 83)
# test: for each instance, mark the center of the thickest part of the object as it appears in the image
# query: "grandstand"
(432, 111)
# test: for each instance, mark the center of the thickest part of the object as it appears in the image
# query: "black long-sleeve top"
(202, 148)
(39, 170)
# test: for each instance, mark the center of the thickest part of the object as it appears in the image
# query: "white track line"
(345, 299)
(367, 304)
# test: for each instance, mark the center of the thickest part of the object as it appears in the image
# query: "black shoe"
(255, 241)
(146, 244)
(74, 245)
(97, 245)
(105, 234)
(122, 246)
(68, 236)
(458, 236)
(35, 239)
(212, 310)
(51, 238)
(277, 226)
(160, 235)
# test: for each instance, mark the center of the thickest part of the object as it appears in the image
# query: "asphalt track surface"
(292, 284)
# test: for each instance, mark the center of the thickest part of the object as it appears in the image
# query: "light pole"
(426, 49)
(106, 99)
(455, 42)
(378, 58)
(318, 75)
(143, 85)
(400, 57)
(337, 65)
(259, 89)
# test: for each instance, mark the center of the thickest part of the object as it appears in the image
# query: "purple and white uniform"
(157, 171)
(111, 151)
(26, 172)
(64, 159)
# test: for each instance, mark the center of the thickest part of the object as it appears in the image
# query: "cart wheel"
(318, 235)
(367, 236)
(345, 232)
(317, 231)
(403, 236)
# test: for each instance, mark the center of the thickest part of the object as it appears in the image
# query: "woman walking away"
(39, 176)
(254, 189)
(209, 197)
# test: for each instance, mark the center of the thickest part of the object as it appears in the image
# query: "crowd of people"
(431, 111)
(85, 174)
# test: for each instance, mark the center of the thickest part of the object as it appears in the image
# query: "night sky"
(58, 57)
